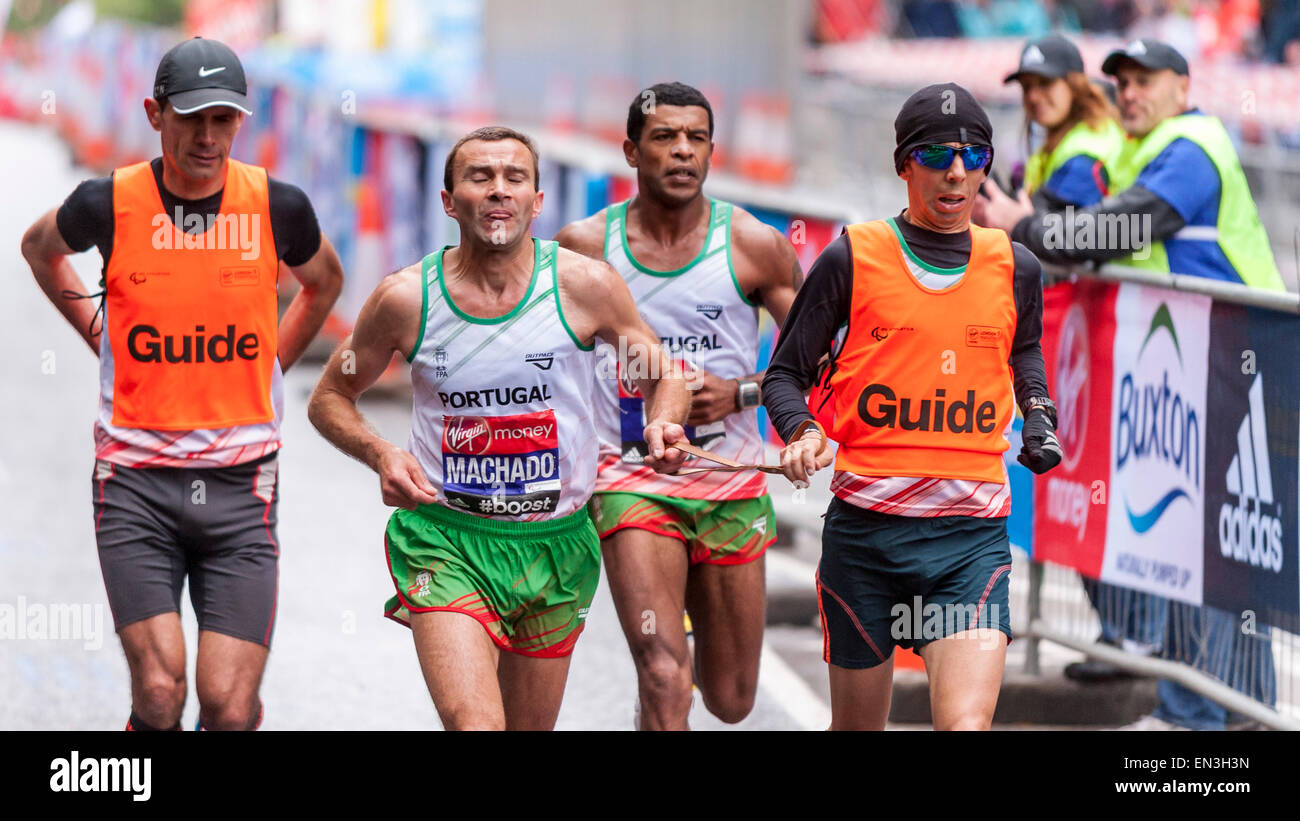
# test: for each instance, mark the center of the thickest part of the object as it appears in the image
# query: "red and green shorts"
(528, 583)
(728, 531)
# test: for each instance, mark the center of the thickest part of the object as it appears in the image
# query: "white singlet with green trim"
(703, 320)
(501, 422)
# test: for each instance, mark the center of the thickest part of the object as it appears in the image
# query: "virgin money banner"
(1070, 501)
(1251, 562)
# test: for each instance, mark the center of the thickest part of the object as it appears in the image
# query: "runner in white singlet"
(493, 557)
(699, 270)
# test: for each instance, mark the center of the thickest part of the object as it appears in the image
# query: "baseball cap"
(1147, 53)
(1050, 56)
(201, 73)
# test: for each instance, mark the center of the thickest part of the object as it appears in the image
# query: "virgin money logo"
(1072, 371)
(467, 434)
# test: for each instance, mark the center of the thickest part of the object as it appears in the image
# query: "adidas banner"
(1179, 419)
(1251, 562)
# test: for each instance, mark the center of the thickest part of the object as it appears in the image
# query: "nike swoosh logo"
(204, 72)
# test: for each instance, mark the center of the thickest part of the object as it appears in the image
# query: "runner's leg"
(647, 578)
(227, 676)
(965, 672)
(860, 698)
(532, 690)
(726, 606)
(459, 663)
(155, 655)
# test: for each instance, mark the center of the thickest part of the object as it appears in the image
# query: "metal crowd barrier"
(1059, 610)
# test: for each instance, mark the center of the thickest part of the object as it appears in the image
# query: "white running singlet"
(704, 321)
(501, 422)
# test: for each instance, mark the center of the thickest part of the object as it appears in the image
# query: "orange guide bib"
(191, 318)
(923, 383)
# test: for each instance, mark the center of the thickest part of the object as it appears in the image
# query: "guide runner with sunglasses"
(936, 319)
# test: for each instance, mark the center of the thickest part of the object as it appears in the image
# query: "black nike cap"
(1050, 56)
(201, 73)
(1147, 53)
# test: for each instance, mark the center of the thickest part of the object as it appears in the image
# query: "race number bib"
(632, 421)
(501, 465)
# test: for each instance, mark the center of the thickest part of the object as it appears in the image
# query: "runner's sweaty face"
(672, 157)
(941, 200)
(196, 145)
(493, 196)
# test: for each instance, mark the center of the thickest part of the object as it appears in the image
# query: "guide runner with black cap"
(191, 383)
(938, 318)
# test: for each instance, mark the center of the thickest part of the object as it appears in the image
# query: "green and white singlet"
(703, 320)
(502, 422)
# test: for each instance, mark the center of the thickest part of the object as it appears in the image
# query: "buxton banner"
(1179, 419)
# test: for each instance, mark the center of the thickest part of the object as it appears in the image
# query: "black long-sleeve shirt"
(822, 306)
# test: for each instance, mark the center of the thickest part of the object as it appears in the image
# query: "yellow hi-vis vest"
(1104, 144)
(1238, 232)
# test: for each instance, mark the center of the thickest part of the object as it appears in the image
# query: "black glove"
(1041, 451)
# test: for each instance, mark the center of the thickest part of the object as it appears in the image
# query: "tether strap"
(731, 466)
(99, 312)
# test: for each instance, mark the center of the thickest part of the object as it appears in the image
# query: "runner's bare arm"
(389, 324)
(322, 280)
(767, 267)
(768, 273)
(586, 236)
(597, 302)
(47, 254)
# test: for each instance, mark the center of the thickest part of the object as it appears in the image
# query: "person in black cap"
(929, 320)
(1082, 140)
(1179, 183)
(192, 358)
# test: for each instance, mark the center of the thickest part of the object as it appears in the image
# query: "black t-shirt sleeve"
(820, 308)
(1027, 368)
(85, 218)
(293, 221)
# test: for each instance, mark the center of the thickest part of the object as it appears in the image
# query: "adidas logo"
(1245, 534)
(1032, 56)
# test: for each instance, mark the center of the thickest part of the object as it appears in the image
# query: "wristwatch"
(1048, 406)
(747, 394)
